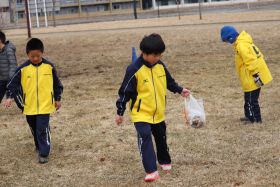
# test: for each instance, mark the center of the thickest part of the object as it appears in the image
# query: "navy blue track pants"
(39, 126)
(251, 106)
(146, 148)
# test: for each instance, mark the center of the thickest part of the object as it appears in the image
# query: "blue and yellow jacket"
(145, 86)
(36, 87)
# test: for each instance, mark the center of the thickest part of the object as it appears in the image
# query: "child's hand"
(57, 105)
(258, 80)
(185, 92)
(119, 119)
(8, 102)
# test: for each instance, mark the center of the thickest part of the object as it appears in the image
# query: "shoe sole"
(150, 180)
(43, 162)
(166, 171)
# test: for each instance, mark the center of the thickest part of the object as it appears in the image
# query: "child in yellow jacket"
(40, 93)
(145, 85)
(251, 68)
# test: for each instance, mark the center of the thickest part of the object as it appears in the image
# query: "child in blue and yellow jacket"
(145, 84)
(251, 69)
(37, 89)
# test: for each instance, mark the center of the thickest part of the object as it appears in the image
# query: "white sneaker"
(151, 176)
(166, 167)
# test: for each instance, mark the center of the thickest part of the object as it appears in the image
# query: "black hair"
(34, 44)
(152, 44)
(2, 37)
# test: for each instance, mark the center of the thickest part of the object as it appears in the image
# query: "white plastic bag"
(194, 112)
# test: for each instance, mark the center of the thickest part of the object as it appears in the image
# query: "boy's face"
(1, 45)
(151, 58)
(35, 56)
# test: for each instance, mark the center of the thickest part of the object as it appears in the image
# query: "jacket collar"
(147, 63)
(37, 65)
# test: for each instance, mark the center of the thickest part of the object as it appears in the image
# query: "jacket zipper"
(37, 90)
(139, 104)
(52, 97)
(24, 96)
(155, 95)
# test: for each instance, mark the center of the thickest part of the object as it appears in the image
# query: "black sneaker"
(248, 122)
(244, 119)
(252, 122)
(43, 160)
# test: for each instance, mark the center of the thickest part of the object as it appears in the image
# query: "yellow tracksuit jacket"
(145, 86)
(40, 87)
(249, 61)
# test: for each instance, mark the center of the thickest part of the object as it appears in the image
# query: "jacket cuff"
(119, 112)
(255, 75)
(58, 98)
(180, 89)
(8, 95)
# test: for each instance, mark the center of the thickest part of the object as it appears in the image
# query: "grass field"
(88, 149)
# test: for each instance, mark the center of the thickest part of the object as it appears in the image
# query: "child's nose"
(35, 59)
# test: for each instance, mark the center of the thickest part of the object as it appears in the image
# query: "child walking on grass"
(36, 86)
(144, 85)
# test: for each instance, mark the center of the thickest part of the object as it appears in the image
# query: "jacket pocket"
(139, 104)
(52, 97)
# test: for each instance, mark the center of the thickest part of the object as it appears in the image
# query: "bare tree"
(27, 18)
(199, 8)
(1, 18)
(135, 9)
(80, 7)
(53, 13)
(178, 9)
(12, 4)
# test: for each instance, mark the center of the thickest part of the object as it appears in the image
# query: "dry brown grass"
(90, 150)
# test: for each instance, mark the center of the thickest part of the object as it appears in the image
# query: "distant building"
(166, 3)
(74, 6)
(39, 5)
(11, 10)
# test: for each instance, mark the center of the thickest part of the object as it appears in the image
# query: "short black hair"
(34, 44)
(152, 44)
(2, 37)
